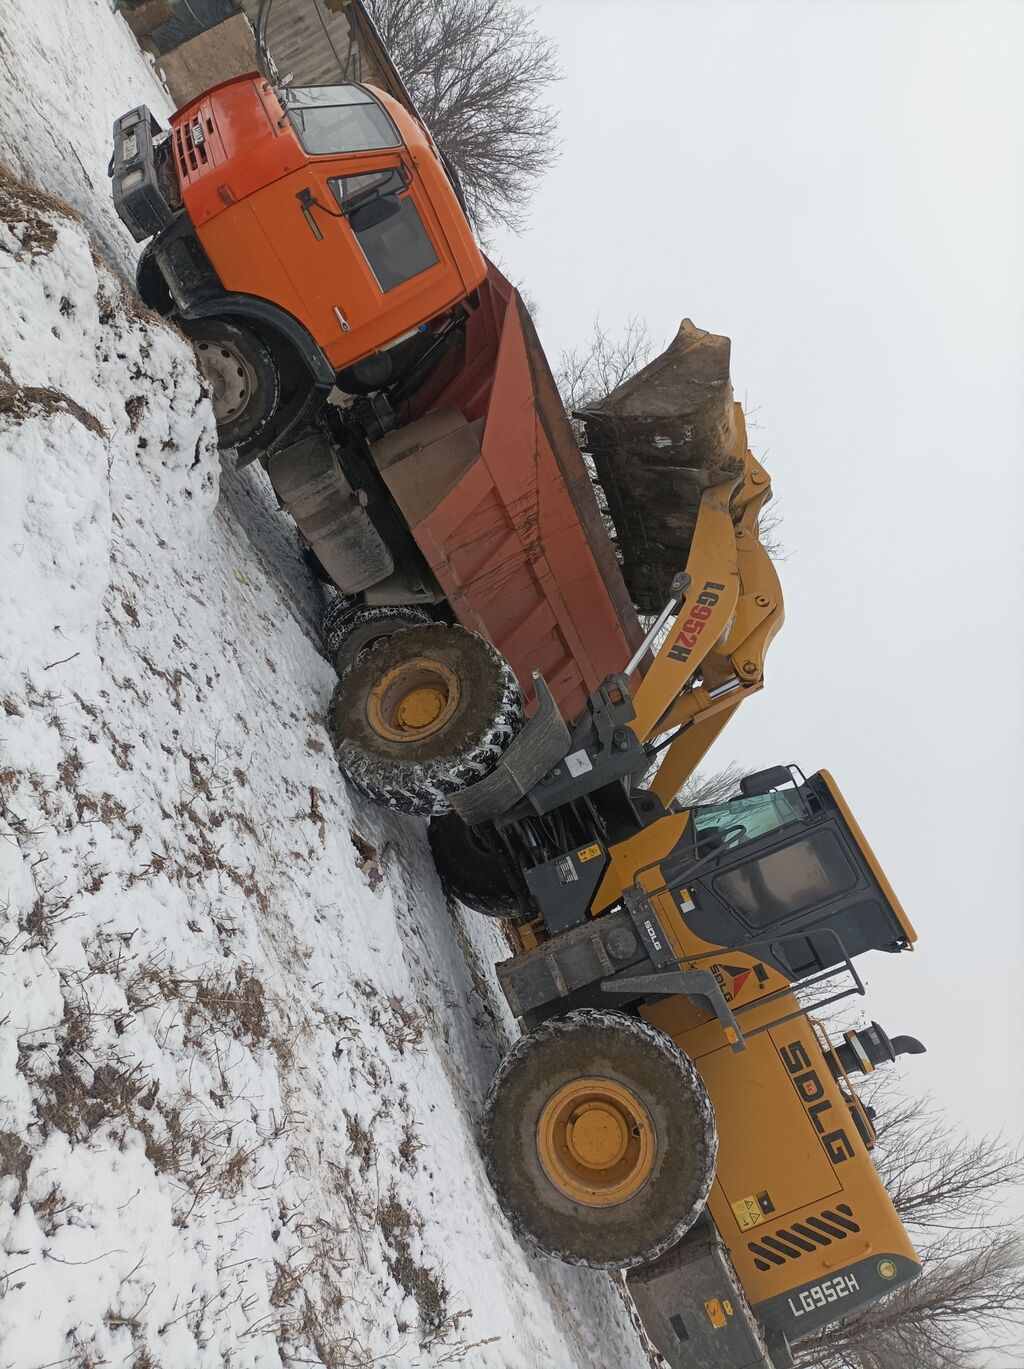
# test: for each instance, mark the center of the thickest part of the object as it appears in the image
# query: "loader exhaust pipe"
(863, 1050)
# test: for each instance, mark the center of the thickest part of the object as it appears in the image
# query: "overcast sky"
(839, 188)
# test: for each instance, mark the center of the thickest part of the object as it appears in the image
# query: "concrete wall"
(228, 49)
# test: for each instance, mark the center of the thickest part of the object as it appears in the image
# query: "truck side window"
(387, 226)
(780, 885)
(332, 119)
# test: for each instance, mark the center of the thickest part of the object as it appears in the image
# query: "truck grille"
(191, 153)
(790, 1242)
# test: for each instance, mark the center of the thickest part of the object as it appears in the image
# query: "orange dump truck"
(312, 244)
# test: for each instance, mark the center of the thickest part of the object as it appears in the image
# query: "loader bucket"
(658, 441)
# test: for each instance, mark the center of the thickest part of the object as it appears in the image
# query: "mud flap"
(541, 744)
(694, 1310)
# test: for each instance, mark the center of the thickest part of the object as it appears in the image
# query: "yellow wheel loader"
(675, 1108)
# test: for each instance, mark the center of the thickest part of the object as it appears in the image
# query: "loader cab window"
(782, 884)
(386, 224)
(333, 119)
(757, 815)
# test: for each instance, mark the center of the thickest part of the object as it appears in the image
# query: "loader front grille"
(801, 1238)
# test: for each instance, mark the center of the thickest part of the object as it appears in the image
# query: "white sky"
(839, 188)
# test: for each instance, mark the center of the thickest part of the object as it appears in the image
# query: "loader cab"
(785, 870)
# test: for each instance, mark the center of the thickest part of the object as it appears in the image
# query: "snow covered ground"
(243, 1041)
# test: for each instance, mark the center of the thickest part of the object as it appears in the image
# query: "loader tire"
(599, 1139)
(244, 381)
(349, 627)
(425, 713)
(471, 869)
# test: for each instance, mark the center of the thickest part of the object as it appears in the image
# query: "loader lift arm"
(713, 656)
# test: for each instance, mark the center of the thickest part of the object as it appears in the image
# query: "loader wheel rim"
(231, 378)
(413, 700)
(596, 1142)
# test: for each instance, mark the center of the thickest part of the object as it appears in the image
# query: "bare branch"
(478, 72)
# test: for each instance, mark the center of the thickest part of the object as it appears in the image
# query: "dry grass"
(235, 1003)
(15, 1160)
(419, 1281)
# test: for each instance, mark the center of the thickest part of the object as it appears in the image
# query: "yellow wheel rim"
(596, 1142)
(413, 700)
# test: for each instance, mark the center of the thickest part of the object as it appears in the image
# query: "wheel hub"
(596, 1142)
(230, 377)
(413, 700)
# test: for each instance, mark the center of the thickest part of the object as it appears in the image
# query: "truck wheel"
(349, 627)
(599, 1139)
(242, 377)
(422, 715)
(471, 868)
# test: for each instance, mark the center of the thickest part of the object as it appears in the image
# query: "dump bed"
(487, 472)
(498, 497)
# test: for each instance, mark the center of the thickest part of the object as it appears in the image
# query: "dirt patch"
(15, 1159)
(135, 407)
(420, 1282)
(372, 860)
(362, 1146)
(77, 1100)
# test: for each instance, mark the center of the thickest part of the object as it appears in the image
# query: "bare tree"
(478, 71)
(951, 1192)
(592, 370)
(712, 786)
(969, 1300)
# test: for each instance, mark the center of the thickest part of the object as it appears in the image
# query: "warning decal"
(748, 1212)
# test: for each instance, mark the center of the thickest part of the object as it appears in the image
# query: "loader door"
(787, 880)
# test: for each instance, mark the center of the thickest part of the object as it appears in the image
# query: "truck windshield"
(331, 119)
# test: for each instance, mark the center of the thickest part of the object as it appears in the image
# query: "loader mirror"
(764, 781)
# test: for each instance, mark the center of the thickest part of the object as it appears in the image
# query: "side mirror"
(764, 781)
(374, 212)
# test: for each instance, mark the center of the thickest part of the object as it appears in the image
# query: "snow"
(243, 1040)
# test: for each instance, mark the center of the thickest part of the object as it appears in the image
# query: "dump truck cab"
(320, 219)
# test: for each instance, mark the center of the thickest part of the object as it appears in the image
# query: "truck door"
(375, 262)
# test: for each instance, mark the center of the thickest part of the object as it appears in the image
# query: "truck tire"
(349, 626)
(426, 712)
(243, 379)
(599, 1139)
(470, 868)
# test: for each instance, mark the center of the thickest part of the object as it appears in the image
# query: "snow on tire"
(349, 626)
(425, 713)
(628, 1058)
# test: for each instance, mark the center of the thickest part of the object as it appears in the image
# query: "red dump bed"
(511, 526)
